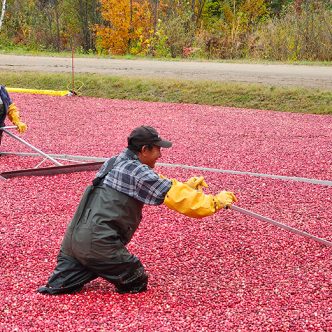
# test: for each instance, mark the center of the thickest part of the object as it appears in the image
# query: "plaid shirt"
(129, 176)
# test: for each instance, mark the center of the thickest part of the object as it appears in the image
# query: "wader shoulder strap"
(86, 195)
(107, 167)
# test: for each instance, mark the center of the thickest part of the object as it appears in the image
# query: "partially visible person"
(110, 211)
(9, 109)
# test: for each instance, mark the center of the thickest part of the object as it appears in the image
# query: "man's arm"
(14, 116)
(194, 203)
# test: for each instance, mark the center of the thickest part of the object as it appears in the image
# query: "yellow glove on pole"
(14, 117)
(226, 199)
(197, 183)
(193, 203)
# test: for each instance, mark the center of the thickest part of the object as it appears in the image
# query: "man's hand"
(197, 183)
(225, 199)
(21, 127)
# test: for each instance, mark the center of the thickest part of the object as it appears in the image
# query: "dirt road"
(276, 75)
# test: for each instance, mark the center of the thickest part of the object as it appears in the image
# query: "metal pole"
(72, 67)
(30, 146)
(278, 224)
(9, 127)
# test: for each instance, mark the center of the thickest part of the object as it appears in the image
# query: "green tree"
(228, 25)
(276, 6)
(300, 33)
(88, 15)
(178, 23)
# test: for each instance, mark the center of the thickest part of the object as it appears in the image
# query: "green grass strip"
(239, 95)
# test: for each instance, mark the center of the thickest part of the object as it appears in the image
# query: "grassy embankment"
(285, 99)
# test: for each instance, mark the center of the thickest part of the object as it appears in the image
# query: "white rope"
(278, 224)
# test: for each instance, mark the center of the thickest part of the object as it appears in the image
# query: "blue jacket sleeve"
(5, 97)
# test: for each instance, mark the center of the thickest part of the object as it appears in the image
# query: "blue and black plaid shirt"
(129, 176)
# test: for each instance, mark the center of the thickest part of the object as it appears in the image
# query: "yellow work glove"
(190, 202)
(14, 117)
(197, 183)
(226, 199)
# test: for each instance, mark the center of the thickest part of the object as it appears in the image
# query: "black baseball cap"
(145, 135)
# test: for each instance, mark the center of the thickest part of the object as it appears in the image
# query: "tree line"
(287, 30)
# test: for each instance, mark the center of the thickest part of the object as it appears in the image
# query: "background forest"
(286, 30)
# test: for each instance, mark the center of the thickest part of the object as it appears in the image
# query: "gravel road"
(270, 74)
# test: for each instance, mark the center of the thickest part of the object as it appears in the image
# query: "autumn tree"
(126, 25)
